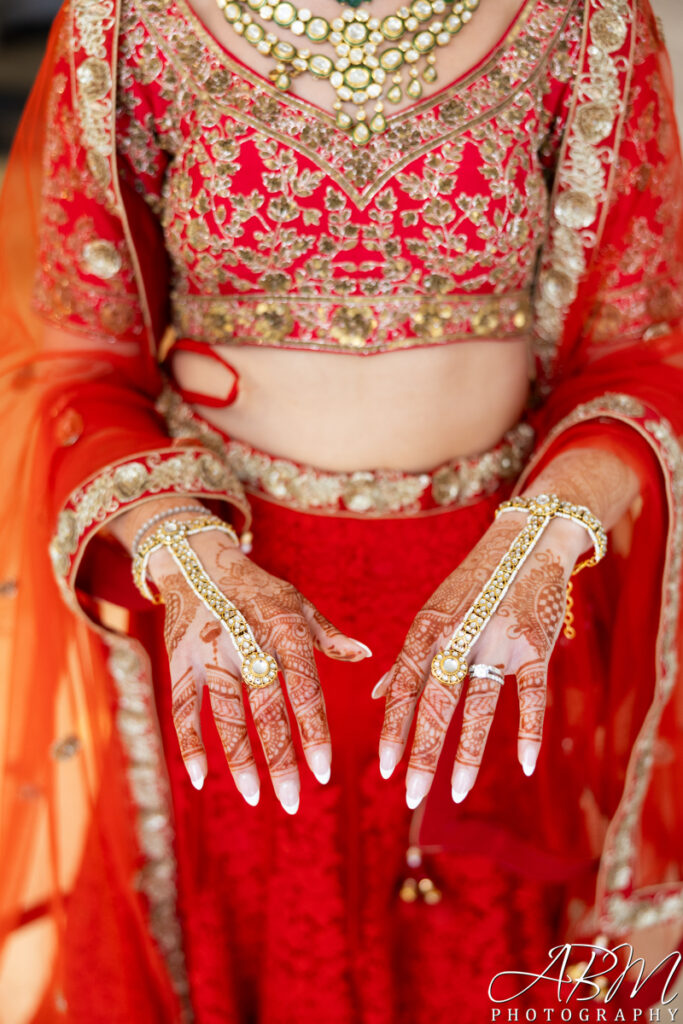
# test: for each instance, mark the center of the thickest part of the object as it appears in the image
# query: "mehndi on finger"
(258, 668)
(450, 665)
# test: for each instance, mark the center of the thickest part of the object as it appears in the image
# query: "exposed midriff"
(408, 410)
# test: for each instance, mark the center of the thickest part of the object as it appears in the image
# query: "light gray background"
(671, 13)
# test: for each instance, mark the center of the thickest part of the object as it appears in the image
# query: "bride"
(336, 341)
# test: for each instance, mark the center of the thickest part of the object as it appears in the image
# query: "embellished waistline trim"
(363, 324)
(379, 492)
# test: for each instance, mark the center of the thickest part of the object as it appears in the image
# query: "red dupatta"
(83, 441)
(609, 356)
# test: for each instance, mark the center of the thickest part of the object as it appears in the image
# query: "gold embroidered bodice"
(281, 231)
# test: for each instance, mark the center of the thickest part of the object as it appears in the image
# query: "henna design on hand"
(272, 724)
(280, 619)
(593, 477)
(435, 624)
(185, 710)
(536, 603)
(531, 687)
(211, 633)
(181, 607)
(480, 707)
(303, 685)
(225, 694)
(436, 710)
(408, 678)
(521, 633)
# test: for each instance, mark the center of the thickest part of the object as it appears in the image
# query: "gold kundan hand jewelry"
(364, 69)
(450, 665)
(258, 668)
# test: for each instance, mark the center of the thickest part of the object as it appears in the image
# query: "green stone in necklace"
(372, 54)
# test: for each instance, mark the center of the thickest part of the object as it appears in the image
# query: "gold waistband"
(377, 492)
(361, 324)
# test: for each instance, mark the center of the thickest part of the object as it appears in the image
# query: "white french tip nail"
(416, 791)
(459, 794)
(387, 763)
(363, 647)
(196, 775)
(528, 767)
(320, 766)
(249, 789)
(288, 796)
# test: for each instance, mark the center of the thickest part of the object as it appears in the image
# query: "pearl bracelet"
(258, 668)
(449, 666)
(166, 514)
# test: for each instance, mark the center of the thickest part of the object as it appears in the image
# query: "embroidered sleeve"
(86, 277)
(641, 286)
(613, 254)
(101, 279)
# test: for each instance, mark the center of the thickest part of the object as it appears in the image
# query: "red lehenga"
(166, 185)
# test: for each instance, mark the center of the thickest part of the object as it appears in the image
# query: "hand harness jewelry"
(158, 518)
(450, 665)
(258, 668)
(363, 70)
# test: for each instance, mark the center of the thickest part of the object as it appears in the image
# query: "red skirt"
(299, 920)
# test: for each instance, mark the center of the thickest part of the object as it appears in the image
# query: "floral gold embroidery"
(280, 230)
(192, 471)
(581, 185)
(137, 727)
(92, 19)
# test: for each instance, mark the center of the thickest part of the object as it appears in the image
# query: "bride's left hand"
(518, 639)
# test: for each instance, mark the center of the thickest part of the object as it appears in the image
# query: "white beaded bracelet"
(159, 517)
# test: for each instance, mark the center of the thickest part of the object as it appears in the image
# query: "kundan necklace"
(364, 70)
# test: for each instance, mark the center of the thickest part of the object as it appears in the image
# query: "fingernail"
(320, 765)
(194, 770)
(288, 795)
(249, 788)
(363, 647)
(460, 787)
(387, 762)
(529, 762)
(416, 791)
(378, 687)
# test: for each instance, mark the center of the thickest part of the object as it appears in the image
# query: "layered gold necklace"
(372, 53)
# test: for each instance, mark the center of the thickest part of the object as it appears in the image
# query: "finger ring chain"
(449, 666)
(258, 668)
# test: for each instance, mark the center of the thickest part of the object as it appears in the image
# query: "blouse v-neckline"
(237, 66)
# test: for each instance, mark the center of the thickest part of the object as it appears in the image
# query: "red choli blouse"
(281, 231)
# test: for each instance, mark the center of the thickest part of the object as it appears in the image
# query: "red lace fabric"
(299, 919)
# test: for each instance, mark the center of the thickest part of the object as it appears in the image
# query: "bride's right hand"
(202, 655)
